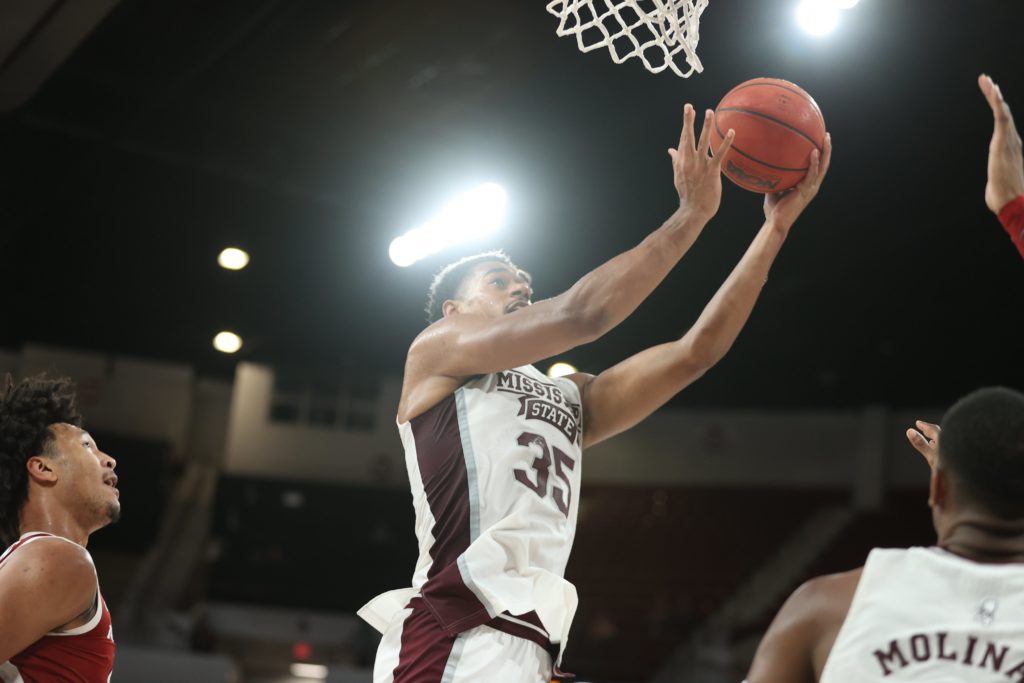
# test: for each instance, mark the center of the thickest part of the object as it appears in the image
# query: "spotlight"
(227, 342)
(817, 17)
(561, 370)
(233, 258)
(469, 217)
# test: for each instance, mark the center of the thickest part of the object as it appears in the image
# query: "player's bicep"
(785, 653)
(23, 620)
(630, 391)
(463, 344)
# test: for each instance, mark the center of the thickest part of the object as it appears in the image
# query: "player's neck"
(54, 520)
(985, 539)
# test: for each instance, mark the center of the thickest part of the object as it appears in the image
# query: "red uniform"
(81, 655)
(1012, 218)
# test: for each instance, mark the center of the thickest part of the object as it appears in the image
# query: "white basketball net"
(656, 31)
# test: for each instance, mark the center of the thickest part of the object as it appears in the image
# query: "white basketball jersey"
(924, 614)
(495, 475)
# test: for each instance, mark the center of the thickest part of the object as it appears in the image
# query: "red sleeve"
(1012, 218)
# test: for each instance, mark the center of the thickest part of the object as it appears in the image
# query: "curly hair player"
(493, 445)
(56, 488)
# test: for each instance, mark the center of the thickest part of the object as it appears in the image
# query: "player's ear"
(40, 469)
(448, 307)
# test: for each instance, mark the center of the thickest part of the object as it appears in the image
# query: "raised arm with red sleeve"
(1012, 218)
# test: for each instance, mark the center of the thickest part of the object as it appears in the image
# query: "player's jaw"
(111, 498)
(105, 504)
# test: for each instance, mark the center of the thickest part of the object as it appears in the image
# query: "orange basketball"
(777, 126)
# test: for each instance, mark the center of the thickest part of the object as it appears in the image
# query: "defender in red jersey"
(1004, 192)
(56, 488)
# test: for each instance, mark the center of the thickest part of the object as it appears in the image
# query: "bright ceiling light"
(227, 342)
(233, 258)
(561, 370)
(844, 4)
(317, 671)
(469, 217)
(817, 17)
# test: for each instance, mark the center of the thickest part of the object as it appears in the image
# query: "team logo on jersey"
(539, 409)
(543, 401)
(986, 613)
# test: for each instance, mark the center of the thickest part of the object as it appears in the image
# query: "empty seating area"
(293, 544)
(904, 520)
(652, 563)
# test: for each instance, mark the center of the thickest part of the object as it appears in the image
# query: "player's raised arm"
(626, 393)
(1004, 191)
(489, 327)
(48, 584)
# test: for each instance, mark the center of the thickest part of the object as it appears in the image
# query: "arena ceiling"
(311, 133)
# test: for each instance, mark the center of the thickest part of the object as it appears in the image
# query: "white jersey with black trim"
(495, 473)
(924, 614)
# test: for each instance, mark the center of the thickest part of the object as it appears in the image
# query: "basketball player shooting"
(1004, 192)
(953, 612)
(493, 446)
(56, 488)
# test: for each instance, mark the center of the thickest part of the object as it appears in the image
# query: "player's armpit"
(43, 586)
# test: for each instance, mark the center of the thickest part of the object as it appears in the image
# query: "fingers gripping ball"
(777, 127)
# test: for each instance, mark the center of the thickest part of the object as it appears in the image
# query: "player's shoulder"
(827, 597)
(832, 585)
(434, 341)
(50, 560)
(49, 581)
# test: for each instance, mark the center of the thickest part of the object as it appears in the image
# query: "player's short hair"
(448, 280)
(982, 445)
(28, 409)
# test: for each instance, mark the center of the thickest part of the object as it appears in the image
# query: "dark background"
(312, 133)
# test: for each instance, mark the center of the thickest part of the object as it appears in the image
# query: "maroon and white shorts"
(415, 649)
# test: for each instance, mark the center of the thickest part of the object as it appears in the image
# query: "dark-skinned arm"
(464, 344)
(1004, 191)
(628, 392)
(800, 638)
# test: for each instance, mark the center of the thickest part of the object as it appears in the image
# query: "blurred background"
(263, 484)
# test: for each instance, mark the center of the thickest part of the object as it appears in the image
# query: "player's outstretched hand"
(1005, 162)
(925, 439)
(696, 171)
(784, 208)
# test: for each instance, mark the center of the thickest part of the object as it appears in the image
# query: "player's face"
(87, 473)
(494, 289)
